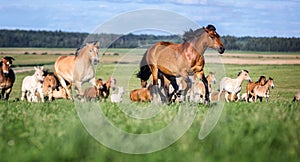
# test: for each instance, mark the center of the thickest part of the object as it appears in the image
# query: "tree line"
(59, 39)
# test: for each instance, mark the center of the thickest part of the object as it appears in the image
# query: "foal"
(263, 91)
(198, 88)
(233, 86)
(251, 85)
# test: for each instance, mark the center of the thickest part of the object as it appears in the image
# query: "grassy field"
(244, 132)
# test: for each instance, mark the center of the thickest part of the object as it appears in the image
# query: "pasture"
(245, 131)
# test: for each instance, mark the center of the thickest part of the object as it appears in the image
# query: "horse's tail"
(145, 71)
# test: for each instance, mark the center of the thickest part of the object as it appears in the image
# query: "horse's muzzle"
(5, 74)
(95, 61)
(221, 49)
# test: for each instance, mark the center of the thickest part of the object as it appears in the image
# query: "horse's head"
(50, 81)
(271, 82)
(262, 80)
(244, 74)
(99, 84)
(39, 74)
(92, 49)
(213, 39)
(6, 64)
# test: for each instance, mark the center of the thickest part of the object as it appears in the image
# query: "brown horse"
(49, 84)
(264, 90)
(251, 85)
(140, 95)
(172, 60)
(7, 77)
(77, 69)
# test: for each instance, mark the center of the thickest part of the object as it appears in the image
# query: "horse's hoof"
(206, 102)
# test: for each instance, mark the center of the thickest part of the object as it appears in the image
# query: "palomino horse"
(233, 86)
(251, 85)
(77, 69)
(263, 91)
(198, 87)
(172, 60)
(32, 85)
(7, 77)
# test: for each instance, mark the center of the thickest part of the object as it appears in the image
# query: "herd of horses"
(176, 72)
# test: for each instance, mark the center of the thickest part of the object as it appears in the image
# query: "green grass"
(245, 131)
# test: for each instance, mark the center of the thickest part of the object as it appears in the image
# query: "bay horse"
(7, 77)
(233, 86)
(173, 60)
(264, 90)
(77, 69)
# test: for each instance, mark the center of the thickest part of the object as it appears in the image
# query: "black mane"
(192, 34)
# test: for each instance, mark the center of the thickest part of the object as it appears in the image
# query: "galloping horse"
(263, 90)
(7, 77)
(77, 69)
(233, 86)
(172, 60)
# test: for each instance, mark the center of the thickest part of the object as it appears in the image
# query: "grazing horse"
(77, 69)
(32, 85)
(7, 77)
(198, 88)
(251, 85)
(233, 86)
(49, 84)
(173, 60)
(263, 91)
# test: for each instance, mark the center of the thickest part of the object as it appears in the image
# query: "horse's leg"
(226, 96)
(23, 95)
(64, 85)
(7, 92)
(205, 82)
(78, 89)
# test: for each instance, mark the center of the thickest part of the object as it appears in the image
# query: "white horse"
(117, 97)
(32, 85)
(233, 86)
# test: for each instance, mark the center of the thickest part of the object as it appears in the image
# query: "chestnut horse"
(173, 60)
(251, 85)
(77, 69)
(7, 77)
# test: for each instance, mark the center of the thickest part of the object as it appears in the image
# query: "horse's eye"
(212, 36)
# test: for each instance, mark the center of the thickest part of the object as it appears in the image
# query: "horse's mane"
(81, 47)
(9, 58)
(241, 72)
(191, 35)
(260, 78)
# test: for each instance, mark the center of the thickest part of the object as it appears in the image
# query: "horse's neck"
(200, 44)
(239, 80)
(81, 58)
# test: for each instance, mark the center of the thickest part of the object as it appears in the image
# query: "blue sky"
(231, 17)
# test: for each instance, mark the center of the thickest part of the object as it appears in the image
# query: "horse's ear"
(206, 29)
(97, 44)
